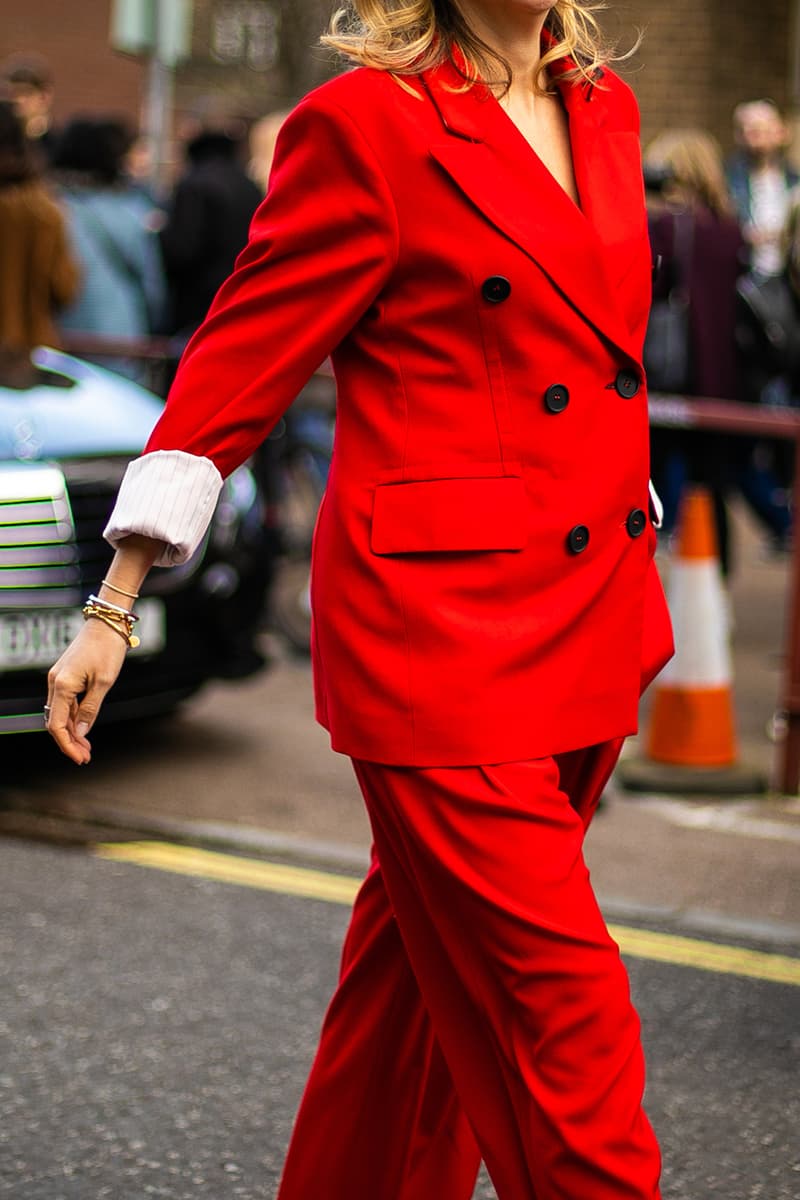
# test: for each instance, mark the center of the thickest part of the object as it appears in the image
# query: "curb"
(103, 823)
(249, 839)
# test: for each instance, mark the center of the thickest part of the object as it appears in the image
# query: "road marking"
(706, 956)
(230, 868)
(341, 889)
(736, 817)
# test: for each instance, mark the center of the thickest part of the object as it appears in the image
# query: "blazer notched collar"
(582, 250)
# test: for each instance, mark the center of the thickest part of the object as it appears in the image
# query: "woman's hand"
(77, 686)
(78, 683)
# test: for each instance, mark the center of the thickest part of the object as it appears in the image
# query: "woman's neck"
(513, 34)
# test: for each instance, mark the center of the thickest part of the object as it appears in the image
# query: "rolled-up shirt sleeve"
(322, 246)
(168, 495)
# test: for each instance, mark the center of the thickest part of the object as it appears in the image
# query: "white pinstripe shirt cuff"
(656, 507)
(169, 495)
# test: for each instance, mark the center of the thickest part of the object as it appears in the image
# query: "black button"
(627, 383)
(556, 398)
(496, 289)
(636, 522)
(578, 539)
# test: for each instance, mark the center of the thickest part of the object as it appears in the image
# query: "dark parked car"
(64, 444)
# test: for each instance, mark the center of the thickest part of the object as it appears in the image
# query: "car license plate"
(37, 638)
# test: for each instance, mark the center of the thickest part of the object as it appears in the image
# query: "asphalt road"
(156, 1029)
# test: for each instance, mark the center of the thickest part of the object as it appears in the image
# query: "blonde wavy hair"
(410, 36)
(691, 161)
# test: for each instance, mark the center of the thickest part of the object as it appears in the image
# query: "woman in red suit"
(460, 224)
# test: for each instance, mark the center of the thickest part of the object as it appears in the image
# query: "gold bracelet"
(122, 592)
(114, 621)
(131, 640)
(113, 609)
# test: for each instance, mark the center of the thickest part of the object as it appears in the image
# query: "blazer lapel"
(493, 165)
(608, 170)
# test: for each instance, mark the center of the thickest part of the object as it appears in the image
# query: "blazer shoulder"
(621, 100)
(359, 91)
(371, 108)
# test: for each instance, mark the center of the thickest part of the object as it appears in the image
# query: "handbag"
(768, 322)
(667, 344)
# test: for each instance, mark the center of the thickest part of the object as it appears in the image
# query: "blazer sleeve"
(322, 246)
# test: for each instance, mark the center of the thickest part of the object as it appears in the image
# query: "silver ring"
(46, 713)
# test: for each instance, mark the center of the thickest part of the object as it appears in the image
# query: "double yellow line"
(341, 889)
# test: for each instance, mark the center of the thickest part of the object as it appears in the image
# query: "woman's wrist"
(124, 578)
(122, 592)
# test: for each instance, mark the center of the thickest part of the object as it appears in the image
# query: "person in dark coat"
(761, 181)
(695, 231)
(207, 225)
(763, 185)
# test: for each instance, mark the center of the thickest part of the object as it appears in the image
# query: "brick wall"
(89, 76)
(299, 63)
(699, 58)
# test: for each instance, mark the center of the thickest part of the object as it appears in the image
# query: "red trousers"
(482, 1010)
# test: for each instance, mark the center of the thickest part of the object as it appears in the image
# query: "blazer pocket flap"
(450, 514)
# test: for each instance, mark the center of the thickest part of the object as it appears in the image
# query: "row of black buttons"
(578, 536)
(556, 397)
(495, 290)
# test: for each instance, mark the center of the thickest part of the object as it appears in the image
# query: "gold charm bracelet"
(118, 619)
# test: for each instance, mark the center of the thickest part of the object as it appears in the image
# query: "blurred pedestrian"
(485, 604)
(696, 198)
(761, 181)
(697, 237)
(138, 167)
(123, 288)
(208, 219)
(262, 139)
(37, 273)
(28, 80)
(768, 324)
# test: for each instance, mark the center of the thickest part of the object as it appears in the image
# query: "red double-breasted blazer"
(482, 585)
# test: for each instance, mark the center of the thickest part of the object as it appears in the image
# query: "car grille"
(51, 524)
(92, 494)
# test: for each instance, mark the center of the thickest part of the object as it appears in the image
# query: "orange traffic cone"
(692, 720)
(691, 741)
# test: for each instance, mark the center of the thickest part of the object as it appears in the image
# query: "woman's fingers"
(77, 686)
(61, 725)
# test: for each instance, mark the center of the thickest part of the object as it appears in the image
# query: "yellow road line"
(229, 868)
(341, 889)
(706, 956)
